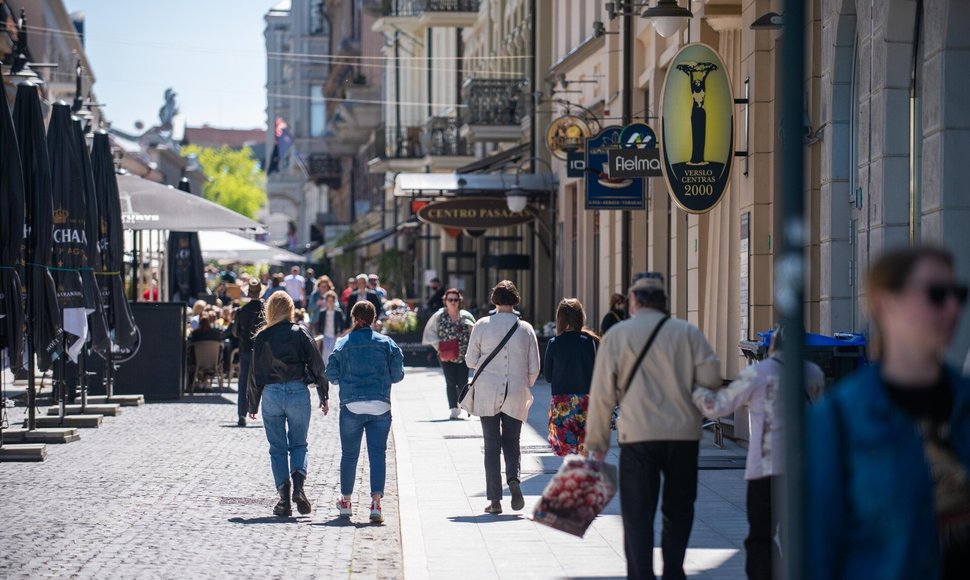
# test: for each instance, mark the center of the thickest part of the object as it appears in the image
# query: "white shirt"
(368, 407)
(295, 286)
(329, 323)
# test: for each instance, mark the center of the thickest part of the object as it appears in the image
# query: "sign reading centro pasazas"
(475, 213)
(697, 128)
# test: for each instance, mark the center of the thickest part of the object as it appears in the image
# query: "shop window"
(318, 111)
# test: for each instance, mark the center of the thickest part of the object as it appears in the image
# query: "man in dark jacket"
(363, 292)
(248, 319)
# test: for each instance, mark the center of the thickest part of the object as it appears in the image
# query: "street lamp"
(668, 17)
(516, 198)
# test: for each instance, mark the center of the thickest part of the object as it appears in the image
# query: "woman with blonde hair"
(569, 369)
(285, 362)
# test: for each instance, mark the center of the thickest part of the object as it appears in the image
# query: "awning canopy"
(230, 247)
(146, 205)
(445, 184)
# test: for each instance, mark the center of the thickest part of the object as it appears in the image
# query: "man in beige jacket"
(659, 426)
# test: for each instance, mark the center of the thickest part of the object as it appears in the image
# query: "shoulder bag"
(448, 350)
(636, 367)
(466, 396)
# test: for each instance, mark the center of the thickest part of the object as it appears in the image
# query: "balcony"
(494, 109)
(397, 149)
(325, 169)
(419, 14)
(447, 149)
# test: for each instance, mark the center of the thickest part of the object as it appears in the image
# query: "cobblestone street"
(172, 490)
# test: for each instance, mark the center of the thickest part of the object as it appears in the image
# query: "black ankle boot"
(299, 498)
(283, 508)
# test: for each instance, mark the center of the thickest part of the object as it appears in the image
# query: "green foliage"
(235, 180)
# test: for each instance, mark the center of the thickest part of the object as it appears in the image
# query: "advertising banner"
(697, 129)
(602, 190)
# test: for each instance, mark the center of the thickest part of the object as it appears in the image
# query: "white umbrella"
(146, 205)
(227, 246)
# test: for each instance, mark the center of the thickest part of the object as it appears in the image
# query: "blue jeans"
(352, 428)
(286, 420)
(245, 362)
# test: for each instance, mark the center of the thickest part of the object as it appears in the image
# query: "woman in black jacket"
(569, 369)
(285, 362)
(617, 313)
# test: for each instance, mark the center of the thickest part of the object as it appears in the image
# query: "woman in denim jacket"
(365, 364)
(889, 447)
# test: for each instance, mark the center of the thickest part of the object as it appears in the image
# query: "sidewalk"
(445, 534)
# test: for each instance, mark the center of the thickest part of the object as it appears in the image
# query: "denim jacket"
(870, 492)
(365, 364)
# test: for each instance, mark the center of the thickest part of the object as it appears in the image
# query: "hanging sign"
(604, 191)
(576, 164)
(638, 136)
(697, 128)
(566, 134)
(472, 213)
(626, 163)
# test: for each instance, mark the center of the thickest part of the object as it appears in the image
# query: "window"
(318, 111)
(319, 21)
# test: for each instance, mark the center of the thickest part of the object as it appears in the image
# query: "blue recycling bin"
(838, 355)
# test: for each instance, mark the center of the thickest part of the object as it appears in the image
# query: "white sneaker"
(455, 413)
(345, 507)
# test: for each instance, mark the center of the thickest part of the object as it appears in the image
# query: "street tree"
(234, 181)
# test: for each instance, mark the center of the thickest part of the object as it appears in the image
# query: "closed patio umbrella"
(186, 270)
(97, 323)
(42, 312)
(70, 248)
(121, 323)
(11, 241)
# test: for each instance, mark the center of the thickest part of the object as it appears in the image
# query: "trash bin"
(838, 355)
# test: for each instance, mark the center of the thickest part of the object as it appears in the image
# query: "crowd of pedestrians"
(888, 448)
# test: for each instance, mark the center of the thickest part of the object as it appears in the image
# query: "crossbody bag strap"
(643, 354)
(508, 336)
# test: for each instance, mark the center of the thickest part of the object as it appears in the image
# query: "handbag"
(448, 350)
(466, 396)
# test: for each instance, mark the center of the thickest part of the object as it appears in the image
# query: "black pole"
(134, 265)
(790, 286)
(626, 256)
(82, 380)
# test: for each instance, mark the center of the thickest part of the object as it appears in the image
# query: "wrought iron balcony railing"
(443, 137)
(326, 169)
(418, 7)
(399, 143)
(494, 101)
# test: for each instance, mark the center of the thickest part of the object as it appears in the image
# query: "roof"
(206, 136)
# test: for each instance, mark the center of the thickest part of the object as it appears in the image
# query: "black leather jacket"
(248, 319)
(282, 353)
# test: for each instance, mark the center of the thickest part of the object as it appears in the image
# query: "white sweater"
(504, 386)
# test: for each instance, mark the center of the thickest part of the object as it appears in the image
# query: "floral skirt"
(567, 424)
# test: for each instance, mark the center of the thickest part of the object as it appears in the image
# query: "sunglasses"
(452, 300)
(937, 294)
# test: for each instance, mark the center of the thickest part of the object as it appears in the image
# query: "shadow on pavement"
(342, 522)
(267, 520)
(439, 421)
(234, 426)
(206, 399)
(485, 519)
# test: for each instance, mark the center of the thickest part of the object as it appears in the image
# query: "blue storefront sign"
(602, 191)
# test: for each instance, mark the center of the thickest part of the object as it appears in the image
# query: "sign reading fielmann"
(697, 128)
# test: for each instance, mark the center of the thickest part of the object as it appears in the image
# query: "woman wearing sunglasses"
(889, 447)
(447, 331)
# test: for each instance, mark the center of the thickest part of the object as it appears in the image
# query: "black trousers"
(641, 465)
(501, 434)
(760, 547)
(456, 377)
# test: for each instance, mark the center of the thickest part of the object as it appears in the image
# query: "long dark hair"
(570, 316)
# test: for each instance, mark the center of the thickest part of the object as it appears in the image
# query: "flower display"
(580, 490)
(400, 318)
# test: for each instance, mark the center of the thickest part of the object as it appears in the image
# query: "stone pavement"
(175, 489)
(442, 486)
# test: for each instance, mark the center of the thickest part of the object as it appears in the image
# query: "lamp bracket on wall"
(746, 102)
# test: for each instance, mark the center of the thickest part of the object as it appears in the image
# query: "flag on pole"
(281, 149)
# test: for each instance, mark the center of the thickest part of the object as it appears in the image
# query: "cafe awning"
(146, 205)
(454, 184)
(229, 247)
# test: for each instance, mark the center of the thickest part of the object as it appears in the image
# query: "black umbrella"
(70, 249)
(42, 312)
(11, 240)
(100, 341)
(186, 269)
(124, 333)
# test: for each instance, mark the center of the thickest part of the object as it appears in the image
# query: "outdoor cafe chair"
(208, 363)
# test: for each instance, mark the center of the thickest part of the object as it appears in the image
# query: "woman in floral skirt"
(447, 331)
(569, 369)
